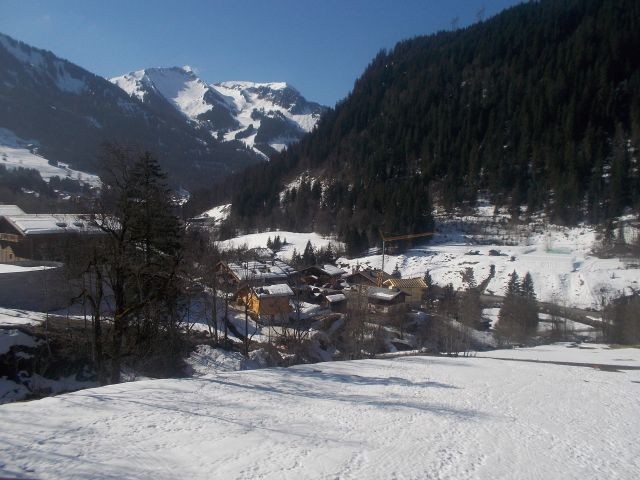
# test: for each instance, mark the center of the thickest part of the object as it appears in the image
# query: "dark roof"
(327, 269)
(369, 274)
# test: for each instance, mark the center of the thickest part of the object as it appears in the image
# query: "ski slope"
(411, 417)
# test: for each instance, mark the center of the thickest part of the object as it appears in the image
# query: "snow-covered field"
(297, 241)
(561, 262)
(15, 154)
(410, 417)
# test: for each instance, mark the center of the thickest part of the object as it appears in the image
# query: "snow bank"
(206, 360)
(11, 391)
(12, 337)
(411, 417)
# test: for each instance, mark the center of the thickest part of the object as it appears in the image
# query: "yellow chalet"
(270, 300)
(415, 288)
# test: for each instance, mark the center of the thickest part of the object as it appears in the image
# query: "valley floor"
(410, 417)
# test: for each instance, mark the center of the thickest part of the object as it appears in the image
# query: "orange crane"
(394, 238)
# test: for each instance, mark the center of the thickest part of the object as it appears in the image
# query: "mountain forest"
(536, 109)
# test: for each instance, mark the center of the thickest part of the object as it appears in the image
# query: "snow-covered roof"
(28, 224)
(384, 293)
(10, 210)
(333, 270)
(255, 270)
(279, 290)
(335, 298)
(330, 270)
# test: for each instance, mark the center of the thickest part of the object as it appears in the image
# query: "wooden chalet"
(321, 275)
(368, 277)
(37, 237)
(386, 301)
(415, 288)
(270, 300)
(241, 274)
(336, 302)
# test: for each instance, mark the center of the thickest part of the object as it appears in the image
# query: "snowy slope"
(57, 72)
(11, 317)
(257, 114)
(216, 214)
(561, 261)
(178, 85)
(251, 101)
(18, 153)
(69, 113)
(411, 417)
(295, 241)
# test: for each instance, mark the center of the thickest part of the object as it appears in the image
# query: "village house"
(386, 301)
(367, 277)
(320, 275)
(37, 237)
(336, 302)
(271, 301)
(241, 274)
(415, 288)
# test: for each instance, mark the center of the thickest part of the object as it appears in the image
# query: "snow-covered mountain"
(263, 116)
(67, 113)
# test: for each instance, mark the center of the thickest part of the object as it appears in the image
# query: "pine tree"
(309, 256)
(142, 252)
(508, 325)
(529, 306)
(296, 259)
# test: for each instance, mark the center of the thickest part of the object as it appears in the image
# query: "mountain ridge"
(70, 113)
(264, 116)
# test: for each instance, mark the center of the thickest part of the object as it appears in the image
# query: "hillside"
(411, 417)
(65, 113)
(266, 117)
(537, 108)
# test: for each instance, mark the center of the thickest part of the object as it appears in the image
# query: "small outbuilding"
(336, 302)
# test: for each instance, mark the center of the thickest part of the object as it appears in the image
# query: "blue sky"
(320, 46)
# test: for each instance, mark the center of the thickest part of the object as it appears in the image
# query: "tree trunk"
(118, 334)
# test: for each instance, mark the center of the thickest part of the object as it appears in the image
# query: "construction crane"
(394, 238)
